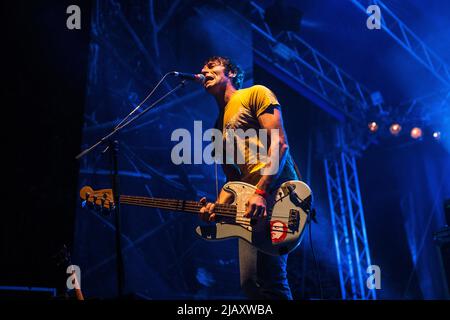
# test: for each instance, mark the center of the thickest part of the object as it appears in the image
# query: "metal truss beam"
(406, 38)
(131, 174)
(307, 71)
(352, 248)
(340, 228)
(426, 108)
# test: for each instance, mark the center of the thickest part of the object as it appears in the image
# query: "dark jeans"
(263, 276)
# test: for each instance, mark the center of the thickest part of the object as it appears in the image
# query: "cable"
(143, 101)
(149, 107)
(317, 270)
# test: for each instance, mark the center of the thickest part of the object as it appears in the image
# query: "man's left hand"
(256, 207)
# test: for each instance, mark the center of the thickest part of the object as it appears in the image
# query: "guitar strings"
(226, 210)
(239, 220)
(177, 205)
(194, 207)
(163, 205)
(247, 223)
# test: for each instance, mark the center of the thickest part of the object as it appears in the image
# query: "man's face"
(215, 77)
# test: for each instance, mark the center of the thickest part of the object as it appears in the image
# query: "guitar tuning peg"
(95, 201)
(88, 204)
(102, 203)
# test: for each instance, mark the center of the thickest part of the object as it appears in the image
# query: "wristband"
(262, 193)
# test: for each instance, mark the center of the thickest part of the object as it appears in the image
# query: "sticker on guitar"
(278, 231)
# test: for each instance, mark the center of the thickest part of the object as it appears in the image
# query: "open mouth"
(208, 78)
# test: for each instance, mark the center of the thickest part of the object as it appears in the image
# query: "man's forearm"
(266, 181)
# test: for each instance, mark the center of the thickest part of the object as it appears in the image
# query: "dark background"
(44, 90)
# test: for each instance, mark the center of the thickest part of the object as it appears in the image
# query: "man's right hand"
(207, 210)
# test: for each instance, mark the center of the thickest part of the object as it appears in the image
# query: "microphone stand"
(113, 146)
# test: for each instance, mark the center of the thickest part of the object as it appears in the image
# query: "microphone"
(189, 76)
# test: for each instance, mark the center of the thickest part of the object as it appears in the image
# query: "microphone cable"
(143, 101)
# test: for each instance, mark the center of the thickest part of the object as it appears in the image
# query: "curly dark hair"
(229, 65)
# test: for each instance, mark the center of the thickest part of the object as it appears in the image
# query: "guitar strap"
(217, 180)
(296, 170)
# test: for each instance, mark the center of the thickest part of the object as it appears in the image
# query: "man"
(262, 276)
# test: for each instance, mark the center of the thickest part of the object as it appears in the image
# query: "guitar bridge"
(294, 220)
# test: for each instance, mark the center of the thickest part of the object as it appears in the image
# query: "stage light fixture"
(395, 129)
(373, 126)
(437, 135)
(416, 133)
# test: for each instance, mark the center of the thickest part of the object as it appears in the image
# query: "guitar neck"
(175, 205)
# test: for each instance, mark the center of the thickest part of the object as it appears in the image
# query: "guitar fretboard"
(176, 205)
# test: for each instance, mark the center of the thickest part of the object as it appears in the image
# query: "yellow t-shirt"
(242, 112)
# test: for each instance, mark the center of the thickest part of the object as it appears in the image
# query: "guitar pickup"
(294, 220)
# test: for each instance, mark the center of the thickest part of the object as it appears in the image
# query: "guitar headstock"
(100, 199)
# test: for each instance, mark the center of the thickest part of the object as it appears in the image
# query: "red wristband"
(262, 193)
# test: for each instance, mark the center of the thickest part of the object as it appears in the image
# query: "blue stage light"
(437, 135)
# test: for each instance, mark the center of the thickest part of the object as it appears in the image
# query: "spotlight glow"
(373, 126)
(395, 129)
(416, 133)
(437, 135)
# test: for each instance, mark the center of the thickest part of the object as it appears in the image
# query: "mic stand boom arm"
(113, 146)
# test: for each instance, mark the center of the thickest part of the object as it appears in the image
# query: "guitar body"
(277, 234)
